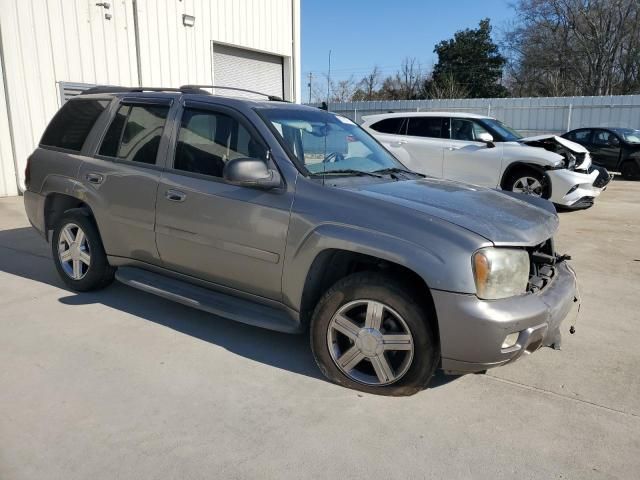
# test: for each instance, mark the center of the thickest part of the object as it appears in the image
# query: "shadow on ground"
(24, 254)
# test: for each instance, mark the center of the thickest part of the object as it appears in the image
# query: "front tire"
(370, 334)
(78, 253)
(630, 170)
(528, 182)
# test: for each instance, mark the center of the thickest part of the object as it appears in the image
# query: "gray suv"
(295, 219)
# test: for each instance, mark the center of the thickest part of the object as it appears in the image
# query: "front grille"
(542, 266)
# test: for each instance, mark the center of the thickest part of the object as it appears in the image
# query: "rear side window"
(389, 125)
(207, 140)
(431, 127)
(72, 124)
(135, 132)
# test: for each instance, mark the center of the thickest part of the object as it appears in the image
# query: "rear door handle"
(175, 195)
(95, 178)
(399, 143)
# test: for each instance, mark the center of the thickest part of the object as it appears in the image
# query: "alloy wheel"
(528, 186)
(370, 342)
(74, 252)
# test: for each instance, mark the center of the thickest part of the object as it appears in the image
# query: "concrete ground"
(122, 384)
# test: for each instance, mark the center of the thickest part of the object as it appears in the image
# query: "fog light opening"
(572, 189)
(510, 340)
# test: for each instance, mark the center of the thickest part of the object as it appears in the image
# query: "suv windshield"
(508, 134)
(324, 142)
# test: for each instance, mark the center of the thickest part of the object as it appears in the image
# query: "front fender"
(444, 272)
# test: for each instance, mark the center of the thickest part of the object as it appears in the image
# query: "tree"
(470, 59)
(368, 86)
(574, 47)
(342, 90)
(446, 87)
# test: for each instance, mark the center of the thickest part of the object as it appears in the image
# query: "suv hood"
(498, 217)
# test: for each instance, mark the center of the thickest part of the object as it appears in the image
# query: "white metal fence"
(530, 116)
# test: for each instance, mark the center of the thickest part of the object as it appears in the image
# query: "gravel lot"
(123, 384)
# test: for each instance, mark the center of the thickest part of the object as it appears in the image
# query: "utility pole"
(310, 81)
(329, 81)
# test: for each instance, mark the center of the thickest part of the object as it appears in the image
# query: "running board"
(221, 304)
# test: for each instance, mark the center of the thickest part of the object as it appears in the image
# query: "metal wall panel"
(531, 116)
(8, 184)
(46, 42)
(173, 54)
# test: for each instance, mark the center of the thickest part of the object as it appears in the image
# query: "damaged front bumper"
(472, 331)
(576, 188)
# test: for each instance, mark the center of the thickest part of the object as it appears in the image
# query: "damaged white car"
(484, 151)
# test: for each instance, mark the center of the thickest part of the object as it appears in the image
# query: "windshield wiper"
(358, 173)
(384, 171)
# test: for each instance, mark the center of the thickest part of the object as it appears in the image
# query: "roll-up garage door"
(239, 68)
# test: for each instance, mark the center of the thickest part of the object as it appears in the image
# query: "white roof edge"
(376, 116)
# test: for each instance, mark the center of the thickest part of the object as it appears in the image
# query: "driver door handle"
(175, 195)
(94, 178)
(399, 143)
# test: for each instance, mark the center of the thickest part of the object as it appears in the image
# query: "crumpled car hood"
(501, 219)
(573, 146)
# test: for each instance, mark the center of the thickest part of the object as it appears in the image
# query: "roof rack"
(118, 89)
(183, 89)
(273, 98)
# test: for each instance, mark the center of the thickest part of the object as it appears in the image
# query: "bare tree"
(447, 87)
(409, 78)
(343, 90)
(574, 47)
(368, 86)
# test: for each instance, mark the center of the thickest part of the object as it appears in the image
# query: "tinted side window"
(135, 132)
(426, 127)
(389, 125)
(581, 136)
(603, 138)
(463, 129)
(207, 140)
(73, 122)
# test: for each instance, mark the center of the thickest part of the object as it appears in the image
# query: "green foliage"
(472, 61)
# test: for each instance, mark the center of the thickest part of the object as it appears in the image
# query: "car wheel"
(630, 170)
(78, 252)
(370, 334)
(528, 182)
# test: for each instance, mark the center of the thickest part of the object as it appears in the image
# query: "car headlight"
(500, 272)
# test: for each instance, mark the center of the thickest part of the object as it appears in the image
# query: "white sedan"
(484, 151)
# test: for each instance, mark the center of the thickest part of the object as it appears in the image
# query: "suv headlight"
(500, 272)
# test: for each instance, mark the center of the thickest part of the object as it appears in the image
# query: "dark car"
(617, 149)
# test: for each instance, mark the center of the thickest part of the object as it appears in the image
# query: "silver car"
(295, 219)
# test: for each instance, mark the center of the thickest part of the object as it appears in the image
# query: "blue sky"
(364, 33)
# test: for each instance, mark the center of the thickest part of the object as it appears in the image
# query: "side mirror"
(250, 172)
(486, 137)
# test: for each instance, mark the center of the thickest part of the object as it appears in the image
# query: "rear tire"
(78, 253)
(368, 333)
(528, 182)
(630, 170)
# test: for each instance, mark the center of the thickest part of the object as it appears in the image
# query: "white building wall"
(172, 54)
(49, 41)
